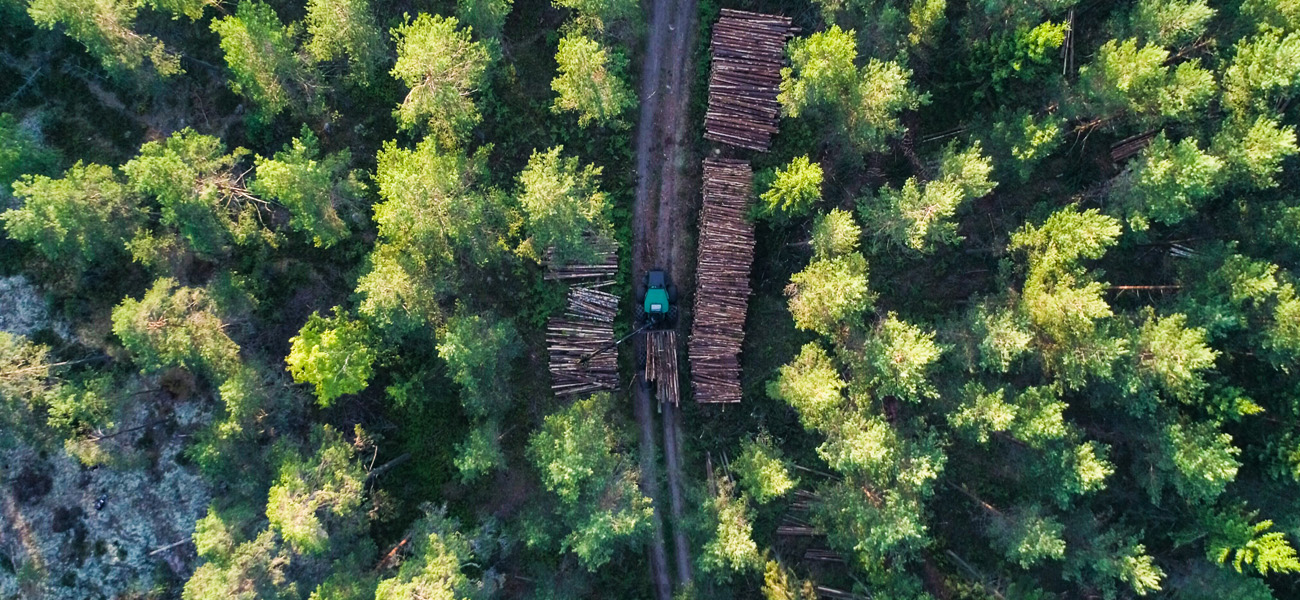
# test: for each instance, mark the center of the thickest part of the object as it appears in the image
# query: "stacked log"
(599, 273)
(580, 343)
(661, 364)
(726, 251)
(748, 53)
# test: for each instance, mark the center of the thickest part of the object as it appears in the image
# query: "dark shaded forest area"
(273, 303)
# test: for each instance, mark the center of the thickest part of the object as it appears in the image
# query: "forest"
(280, 281)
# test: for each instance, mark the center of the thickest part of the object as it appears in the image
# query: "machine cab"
(656, 293)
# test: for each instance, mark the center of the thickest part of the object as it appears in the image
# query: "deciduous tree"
(334, 354)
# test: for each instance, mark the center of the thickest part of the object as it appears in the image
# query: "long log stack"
(600, 273)
(726, 251)
(579, 342)
(661, 364)
(748, 53)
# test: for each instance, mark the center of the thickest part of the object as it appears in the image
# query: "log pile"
(661, 364)
(599, 274)
(726, 250)
(748, 53)
(580, 344)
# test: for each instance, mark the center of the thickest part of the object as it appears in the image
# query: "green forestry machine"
(657, 309)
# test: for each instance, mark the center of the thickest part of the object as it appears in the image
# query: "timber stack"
(748, 53)
(580, 343)
(726, 251)
(661, 364)
(599, 273)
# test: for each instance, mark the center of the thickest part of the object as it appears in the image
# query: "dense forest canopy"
(273, 303)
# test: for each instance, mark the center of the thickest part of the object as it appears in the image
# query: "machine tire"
(672, 294)
(638, 315)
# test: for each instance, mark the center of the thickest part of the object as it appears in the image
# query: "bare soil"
(662, 214)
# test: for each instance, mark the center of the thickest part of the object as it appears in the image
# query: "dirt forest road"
(661, 215)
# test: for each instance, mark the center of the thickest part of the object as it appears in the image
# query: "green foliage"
(1264, 73)
(983, 412)
(764, 474)
(830, 293)
(433, 213)
(345, 29)
(823, 77)
(334, 354)
(1027, 537)
(1168, 182)
(188, 8)
(1022, 55)
(23, 387)
(1174, 355)
(835, 233)
(1170, 23)
(1028, 139)
(191, 176)
(564, 206)
(927, 20)
(81, 219)
(577, 452)
(1253, 154)
(21, 153)
(316, 495)
(918, 216)
(602, 16)
(1004, 336)
(485, 17)
(900, 356)
(436, 566)
(478, 350)
(812, 385)
(480, 453)
(1136, 82)
(176, 326)
(107, 29)
(310, 186)
(442, 66)
(780, 584)
(732, 548)
(1235, 540)
(794, 189)
(591, 81)
(1282, 15)
(1201, 458)
(1053, 299)
(259, 51)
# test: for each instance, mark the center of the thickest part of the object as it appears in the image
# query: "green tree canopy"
(436, 566)
(835, 233)
(732, 547)
(311, 186)
(829, 293)
(176, 326)
(812, 385)
(794, 188)
(1134, 81)
(334, 354)
(1168, 182)
(918, 216)
(345, 29)
(80, 219)
(823, 77)
(564, 206)
(591, 81)
(260, 54)
(578, 453)
(316, 497)
(442, 67)
(764, 474)
(107, 29)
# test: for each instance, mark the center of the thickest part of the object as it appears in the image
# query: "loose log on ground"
(579, 342)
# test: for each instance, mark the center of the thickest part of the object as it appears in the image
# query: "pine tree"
(442, 67)
(311, 186)
(1168, 182)
(259, 51)
(591, 81)
(918, 216)
(764, 474)
(565, 208)
(107, 29)
(793, 190)
(345, 29)
(81, 219)
(829, 293)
